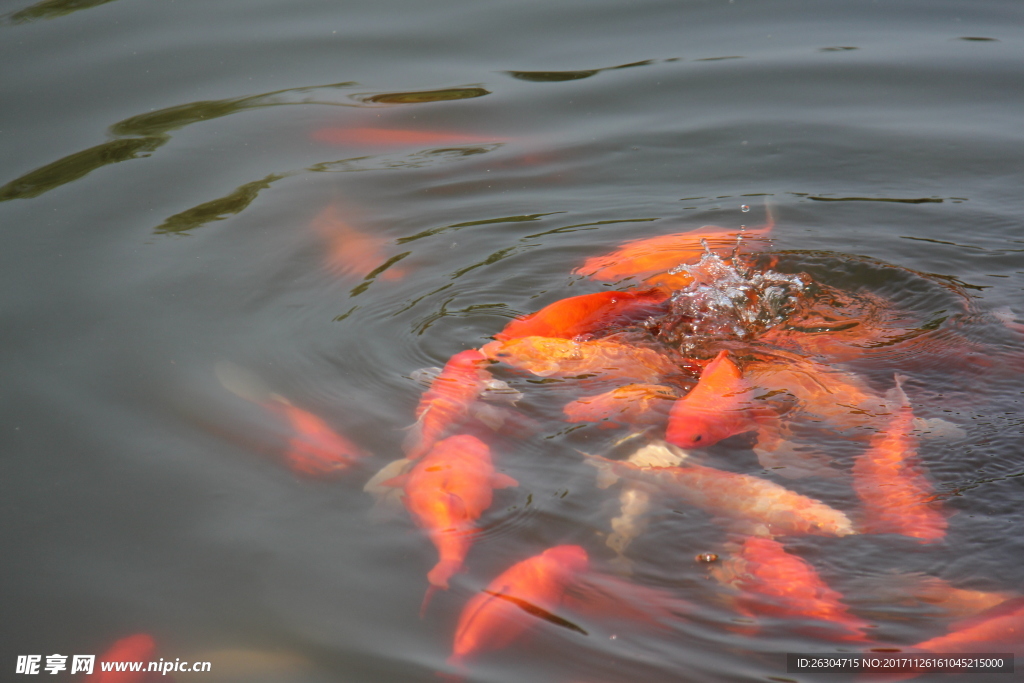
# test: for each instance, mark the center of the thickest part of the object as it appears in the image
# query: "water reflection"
(50, 9)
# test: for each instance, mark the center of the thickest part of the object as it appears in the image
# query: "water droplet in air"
(744, 208)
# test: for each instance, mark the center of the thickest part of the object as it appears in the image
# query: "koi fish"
(397, 137)
(635, 500)
(1000, 627)
(633, 404)
(351, 252)
(579, 315)
(446, 492)
(743, 498)
(772, 582)
(314, 447)
(135, 648)
(892, 484)
(554, 357)
(645, 257)
(512, 603)
(447, 400)
(838, 398)
(938, 597)
(718, 407)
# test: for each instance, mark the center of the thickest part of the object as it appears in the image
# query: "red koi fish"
(774, 583)
(314, 447)
(748, 500)
(555, 357)
(512, 603)
(446, 492)
(641, 258)
(351, 252)
(717, 408)
(392, 137)
(135, 648)
(447, 401)
(633, 404)
(584, 314)
(888, 478)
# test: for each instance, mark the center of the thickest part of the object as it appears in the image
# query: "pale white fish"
(388, 499)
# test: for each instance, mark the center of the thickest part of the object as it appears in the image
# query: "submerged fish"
(135, 648)
(1000, 629)
(648, 256)
(772, 582)
(314, 447)
(607, 358)
(632, 404)
(889, 480)
(350, 251)
(718, 407)
(513, 602)
(752, 502)
(446, 491)
(584, 314)
(447, 401)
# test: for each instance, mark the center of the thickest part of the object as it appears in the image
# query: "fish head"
(699, 428)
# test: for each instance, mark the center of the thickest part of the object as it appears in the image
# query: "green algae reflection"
(139, 136)
(217, 209)
(426, 96)
(74, 166)
(51, 9)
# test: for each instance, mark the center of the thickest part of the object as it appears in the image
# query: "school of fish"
(683, 345)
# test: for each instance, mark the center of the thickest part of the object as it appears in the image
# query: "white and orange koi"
(743, 498)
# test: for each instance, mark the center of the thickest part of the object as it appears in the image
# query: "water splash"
(726, 301)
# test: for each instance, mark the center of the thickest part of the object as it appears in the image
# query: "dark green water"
(162, 168)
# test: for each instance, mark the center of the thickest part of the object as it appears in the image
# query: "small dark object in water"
(706, 557)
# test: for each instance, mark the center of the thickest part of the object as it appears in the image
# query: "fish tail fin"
(445, 569)
(431, 589)
(243, 383)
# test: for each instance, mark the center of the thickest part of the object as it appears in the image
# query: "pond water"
(328, 197)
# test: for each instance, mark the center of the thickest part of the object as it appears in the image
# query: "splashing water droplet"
(745, 208)
(726, 301)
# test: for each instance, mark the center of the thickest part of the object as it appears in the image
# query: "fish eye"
(698, 438)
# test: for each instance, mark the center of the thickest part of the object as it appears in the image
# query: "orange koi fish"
(447, 401)
(774, 583)
(511, 603)
(998, 628)
(645, 257)
(838, 398)
(554, 357)
(744, 498)
(717, 408)
(351, 252)
(584, 314)
(314, 447)
(892, 484)
(392, 137)
(135, 648)
(633, 404)
(446, 492)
